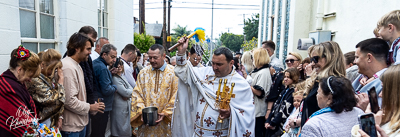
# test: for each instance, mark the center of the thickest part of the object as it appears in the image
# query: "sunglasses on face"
(290, 60)
(315, 59)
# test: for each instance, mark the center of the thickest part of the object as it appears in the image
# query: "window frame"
(39, 40)
(100, 11)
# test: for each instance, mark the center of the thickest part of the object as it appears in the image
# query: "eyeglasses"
(290, 60)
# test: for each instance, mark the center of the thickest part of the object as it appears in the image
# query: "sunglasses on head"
(315, 58)
(290, 60)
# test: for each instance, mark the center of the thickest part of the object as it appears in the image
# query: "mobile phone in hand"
(116, 63)
(373, 100)
(367, 124)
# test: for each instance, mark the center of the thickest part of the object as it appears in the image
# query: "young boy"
(389, 30)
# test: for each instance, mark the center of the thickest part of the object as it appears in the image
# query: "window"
(37, 24)
(102, 15)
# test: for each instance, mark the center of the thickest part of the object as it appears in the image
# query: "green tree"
(232, 41)
(251, 27)
(250, 45)
(143, 41)
(180, 31)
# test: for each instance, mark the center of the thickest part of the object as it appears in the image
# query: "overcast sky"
(194, 14)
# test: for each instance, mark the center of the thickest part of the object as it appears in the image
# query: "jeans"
(74, 134)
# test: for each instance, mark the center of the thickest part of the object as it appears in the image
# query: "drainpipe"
(320, 14)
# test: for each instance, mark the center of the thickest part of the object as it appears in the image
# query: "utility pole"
(244, 25)
(164, 32)
(169, 24)
(141, 16)
(212, 25)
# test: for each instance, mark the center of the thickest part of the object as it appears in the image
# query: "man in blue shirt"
(106, 90)
(370, 56)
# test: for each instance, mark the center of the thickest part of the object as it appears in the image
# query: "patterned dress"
(157, 88)
(49, 98)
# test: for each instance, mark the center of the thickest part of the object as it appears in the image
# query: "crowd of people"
(83, 92)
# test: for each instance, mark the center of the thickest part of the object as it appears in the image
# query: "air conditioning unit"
(314, 37)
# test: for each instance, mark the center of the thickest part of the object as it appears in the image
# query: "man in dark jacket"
(108, 56)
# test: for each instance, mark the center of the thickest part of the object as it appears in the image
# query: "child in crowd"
(291, 126)
(389, 30)
(283, 106)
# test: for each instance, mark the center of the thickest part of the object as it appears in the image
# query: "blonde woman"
(247, 61)
(47, 90)
(327, 60)
(293, 60)
(260, 86)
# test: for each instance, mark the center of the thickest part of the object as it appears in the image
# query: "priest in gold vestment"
(156, 86)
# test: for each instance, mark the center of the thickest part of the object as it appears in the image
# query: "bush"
(143, 42)
(250, 45)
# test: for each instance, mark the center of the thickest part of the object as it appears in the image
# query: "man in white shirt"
(99, 44)
(128, 54)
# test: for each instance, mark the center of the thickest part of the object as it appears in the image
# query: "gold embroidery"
(202, 115)
(154, 88)
(210, 129)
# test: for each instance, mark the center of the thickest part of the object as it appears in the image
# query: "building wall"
(72, 15)
(355, 21)
(9, 30)
(300, 13)
(120, 23)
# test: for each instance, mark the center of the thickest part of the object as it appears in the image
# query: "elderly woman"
(47, 90)
(260, 86)
(16, 103)
(247, 61)
(339, 112)
(120, 114)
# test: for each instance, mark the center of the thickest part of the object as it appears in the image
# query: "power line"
(223, 4)
(205, 8)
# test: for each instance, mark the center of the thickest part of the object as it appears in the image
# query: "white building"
(350, 21)
(42, 24)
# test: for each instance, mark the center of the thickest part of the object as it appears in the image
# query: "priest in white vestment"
(195, 112)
